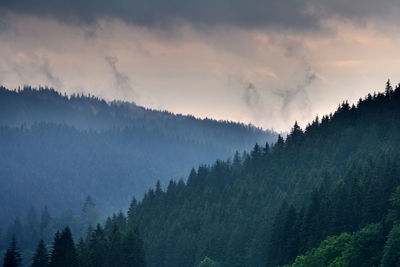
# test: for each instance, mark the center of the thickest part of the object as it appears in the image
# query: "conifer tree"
(391, 256)
(132, 247)
(64, 252)
(90, 214)
(12, 258)
(132, 211)
(41, 257)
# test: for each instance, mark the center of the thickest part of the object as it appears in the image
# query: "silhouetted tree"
(41, 257)
(12, 258)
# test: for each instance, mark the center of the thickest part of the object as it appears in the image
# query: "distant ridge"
(57, 149)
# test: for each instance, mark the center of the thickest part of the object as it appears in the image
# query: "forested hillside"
(57, 149)
(266, 207)
(325, 196)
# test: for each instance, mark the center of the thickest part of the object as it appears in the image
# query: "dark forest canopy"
(325, 195)
(84, 112)
(232, 210)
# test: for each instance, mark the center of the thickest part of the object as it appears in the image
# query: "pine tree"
(64, 252)
(388, 88)
(132, 211)
(90, 214)
(41, 257)
(132, 247)
(98, 248)
(82, 252)
(391, 256)
(115, 247)
(45, 220)
(32, 231)
(45, 227)
(15, 230)
(12, 258)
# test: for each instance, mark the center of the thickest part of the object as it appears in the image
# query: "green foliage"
(391, 254)
(336, 176)
(367, 246)
(334, 251)
(109, 246)
(207, 262)
(327, 193)
(360, 198)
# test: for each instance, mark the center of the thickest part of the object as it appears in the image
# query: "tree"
(16, 231)
(295, 134)
(279, 144)
(12, 258)
(391, 254)
(367, 246)
(98, 248)
(45, 220)
(131, 211)
(388, 88)
(133, 249)
(32, 231)
(46, 230)
(82, 252)
(207, 262)
(115, 252)
(64, 253)
(90, 214)
(41, 257)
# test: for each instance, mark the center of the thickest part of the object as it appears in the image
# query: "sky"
(265, 62)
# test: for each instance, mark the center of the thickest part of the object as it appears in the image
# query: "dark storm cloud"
(250, 13)
(295, 14)
(355, 9)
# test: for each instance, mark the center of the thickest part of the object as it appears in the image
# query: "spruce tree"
(132, 246)
(90, 214)
(41, 257)
(391, 254)
(64, 252)
(12, 258)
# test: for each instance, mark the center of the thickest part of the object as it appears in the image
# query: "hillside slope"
(225, 211)
(56, 150)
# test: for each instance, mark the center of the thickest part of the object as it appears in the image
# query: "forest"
(57, 149)
(326, 195)
(337, 176)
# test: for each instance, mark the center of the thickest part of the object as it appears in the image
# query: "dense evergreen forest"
(57, 149)
(268, 206)
(117, 244)
(328, 195)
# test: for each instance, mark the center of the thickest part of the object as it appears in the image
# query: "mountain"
(57, 149)
(328, 195)
(274, 203)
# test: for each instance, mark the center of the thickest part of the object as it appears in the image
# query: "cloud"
(251, 96)
(251, 13)
(45, 69)
(287, 14)
(121, 80)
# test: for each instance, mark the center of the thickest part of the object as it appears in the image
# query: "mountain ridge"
(83, 145)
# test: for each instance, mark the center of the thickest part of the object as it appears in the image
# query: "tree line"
(112, 245)
(227, 211)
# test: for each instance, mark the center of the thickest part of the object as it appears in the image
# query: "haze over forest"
(199, 133)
